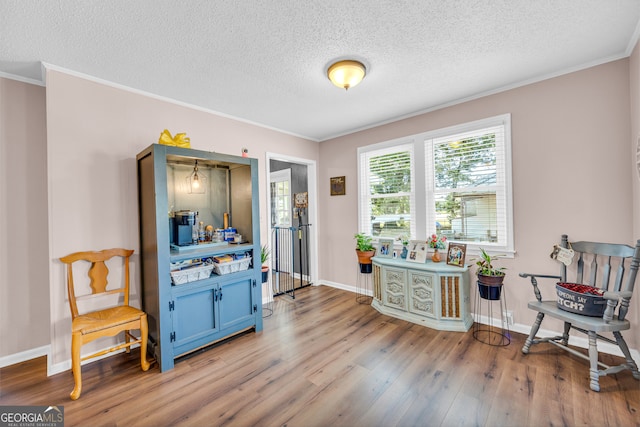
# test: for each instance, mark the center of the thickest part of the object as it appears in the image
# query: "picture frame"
(417, 251)
(337, 184)
(301, 200)
(456, 254)
(385, 248)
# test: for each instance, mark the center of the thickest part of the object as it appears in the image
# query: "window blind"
(466, 181)
(387, 191)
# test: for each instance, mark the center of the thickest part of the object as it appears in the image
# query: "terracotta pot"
(436, 256)
(491, 280)
(364, 257)
(265, 274)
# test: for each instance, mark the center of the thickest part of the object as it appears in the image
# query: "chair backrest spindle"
(580, 270)
(611, 260)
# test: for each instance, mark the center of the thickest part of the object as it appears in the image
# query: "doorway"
(291, 209)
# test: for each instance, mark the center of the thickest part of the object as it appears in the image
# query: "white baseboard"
(338, 285)
(581, 342)
(23, 356)
(577, 341)
(349, 288)
(65, 365)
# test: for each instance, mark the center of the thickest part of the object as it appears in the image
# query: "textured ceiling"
(265, 61)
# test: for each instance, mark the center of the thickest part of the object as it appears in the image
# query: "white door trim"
(312, 210)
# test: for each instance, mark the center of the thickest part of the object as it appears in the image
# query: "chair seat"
(97, 320)
(581, 321)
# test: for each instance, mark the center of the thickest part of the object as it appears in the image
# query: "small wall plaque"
(337, 184)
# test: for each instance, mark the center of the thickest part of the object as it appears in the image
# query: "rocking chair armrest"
(534, 282)
(613, 298)
(542, 276)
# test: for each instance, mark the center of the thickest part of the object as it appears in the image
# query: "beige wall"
(634, 82)
(24, 275)
(571, 173)
(94, 132)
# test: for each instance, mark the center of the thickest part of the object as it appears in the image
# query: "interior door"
(281, 221)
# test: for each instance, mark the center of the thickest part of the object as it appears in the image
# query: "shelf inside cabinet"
(196, 252)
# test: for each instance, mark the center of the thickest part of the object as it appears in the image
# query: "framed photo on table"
(456, 254)
(417, 251)
(385, 248)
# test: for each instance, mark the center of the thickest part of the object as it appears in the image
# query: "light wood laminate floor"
(325, 360)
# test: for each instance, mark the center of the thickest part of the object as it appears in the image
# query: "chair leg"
(627, 354)
(565, 334)
(127, 339)
(532, 334)
(76, 345)
(144, 332)
(593, 362)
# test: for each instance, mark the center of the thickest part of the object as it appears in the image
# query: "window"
(454, 181)
(281, 198)
(387, 191)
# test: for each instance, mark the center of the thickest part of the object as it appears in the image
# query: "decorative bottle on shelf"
(194, 231)
(404, 252)
(201, 233)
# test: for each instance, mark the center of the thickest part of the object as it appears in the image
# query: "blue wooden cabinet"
(191, 315)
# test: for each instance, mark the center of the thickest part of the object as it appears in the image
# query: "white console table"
(432, 294)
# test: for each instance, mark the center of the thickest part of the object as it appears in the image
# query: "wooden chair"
(106, 322)
(592, 265)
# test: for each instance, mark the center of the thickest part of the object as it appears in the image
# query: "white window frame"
(364, 215)
(422, 182)
(283, 175)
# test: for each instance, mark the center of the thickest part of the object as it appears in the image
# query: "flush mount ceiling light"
(347, 73)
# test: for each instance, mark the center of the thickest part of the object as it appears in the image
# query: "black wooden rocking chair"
(592, 259)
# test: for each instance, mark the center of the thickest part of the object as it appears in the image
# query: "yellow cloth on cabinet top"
(180, 140)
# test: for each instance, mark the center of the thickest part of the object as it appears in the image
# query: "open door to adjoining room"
(292, 241)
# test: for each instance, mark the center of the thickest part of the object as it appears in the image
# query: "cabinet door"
(394, 288)
(421, 298)
(194, 318)
(236, 303)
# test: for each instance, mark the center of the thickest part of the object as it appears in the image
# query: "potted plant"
(437, 242)
(490, 278)
(365, 251)
(264, 257)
